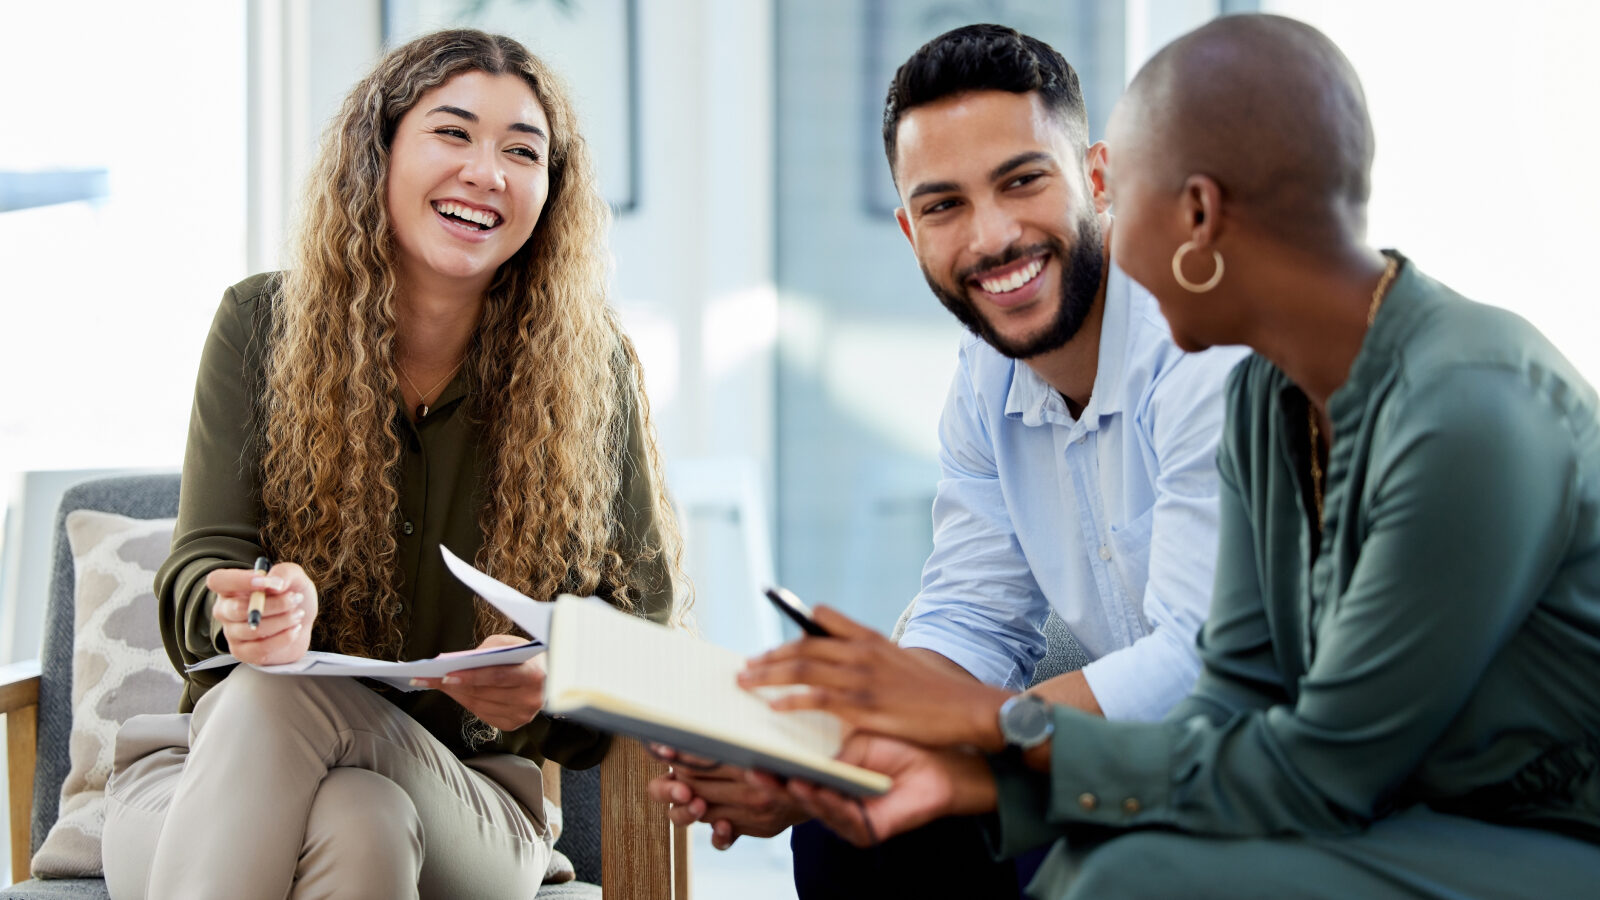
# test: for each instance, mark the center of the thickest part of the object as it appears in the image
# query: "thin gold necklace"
(422, 396)
(1378, 294)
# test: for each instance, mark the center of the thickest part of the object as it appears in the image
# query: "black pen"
(258, 599)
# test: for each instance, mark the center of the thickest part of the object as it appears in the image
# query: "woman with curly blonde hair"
(439, 367)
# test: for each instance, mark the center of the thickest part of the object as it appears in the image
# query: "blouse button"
(408, 529)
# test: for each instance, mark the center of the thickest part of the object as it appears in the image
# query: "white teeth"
(482, 217)
(1013, 281)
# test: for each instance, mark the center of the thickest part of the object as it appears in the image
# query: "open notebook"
(619, 673)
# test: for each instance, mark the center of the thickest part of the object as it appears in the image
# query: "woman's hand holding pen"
(507, 697)
(288, 610)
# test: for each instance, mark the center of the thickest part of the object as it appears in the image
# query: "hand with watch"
(1025, 721)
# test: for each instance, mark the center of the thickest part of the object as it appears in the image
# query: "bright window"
(133, 116)
(1487, 135)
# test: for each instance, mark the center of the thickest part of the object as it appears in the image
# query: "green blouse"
(441, 471)
(1440, 646)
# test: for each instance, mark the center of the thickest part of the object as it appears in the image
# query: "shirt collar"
(1032, 399)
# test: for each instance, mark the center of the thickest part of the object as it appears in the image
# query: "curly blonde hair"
(552, 375)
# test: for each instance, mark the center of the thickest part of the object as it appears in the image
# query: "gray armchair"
(614, 835)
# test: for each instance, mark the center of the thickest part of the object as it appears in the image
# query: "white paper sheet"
(529, 614)
(396, 674)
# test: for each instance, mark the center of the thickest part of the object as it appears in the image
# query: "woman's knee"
(364, 838)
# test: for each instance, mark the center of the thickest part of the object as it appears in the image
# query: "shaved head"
(1269, 109)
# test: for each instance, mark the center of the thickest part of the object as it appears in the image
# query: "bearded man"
(1077, 449)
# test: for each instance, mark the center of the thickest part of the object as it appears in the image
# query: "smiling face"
(468, 176)
(999, 210)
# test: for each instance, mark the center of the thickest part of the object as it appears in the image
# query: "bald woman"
(1400, 693)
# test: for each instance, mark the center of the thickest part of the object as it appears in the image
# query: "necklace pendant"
(422, 410)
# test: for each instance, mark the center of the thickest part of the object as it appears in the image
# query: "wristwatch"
(1025, 721)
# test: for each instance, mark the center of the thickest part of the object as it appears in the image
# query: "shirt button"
(1088, 801)
(1131, 806)
(408, 529)
(1081, 439)
(1105, 552)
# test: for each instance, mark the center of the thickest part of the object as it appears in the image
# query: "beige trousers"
(295, 787)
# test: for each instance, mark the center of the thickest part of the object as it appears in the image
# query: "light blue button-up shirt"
(1109, 519)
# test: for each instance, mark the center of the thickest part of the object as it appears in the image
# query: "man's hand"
(864, 679)
(928, 784)
(506, 697)
(726, 796)
(284, 633)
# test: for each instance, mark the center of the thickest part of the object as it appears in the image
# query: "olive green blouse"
(1438, 643)
(441, 475)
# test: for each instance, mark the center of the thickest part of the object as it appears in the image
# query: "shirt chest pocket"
(1130, 551)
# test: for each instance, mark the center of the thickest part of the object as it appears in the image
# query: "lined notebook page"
(605, 658)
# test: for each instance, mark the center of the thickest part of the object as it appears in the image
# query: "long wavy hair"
(552, 376)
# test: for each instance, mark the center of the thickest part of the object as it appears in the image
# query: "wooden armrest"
(19, 685)
(19, 702)
(642, 854)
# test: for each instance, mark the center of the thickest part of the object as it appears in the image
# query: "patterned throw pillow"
(119, 669)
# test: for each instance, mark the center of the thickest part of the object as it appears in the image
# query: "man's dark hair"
(985, 58)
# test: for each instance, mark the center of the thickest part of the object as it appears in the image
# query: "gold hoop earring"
(1190, 286)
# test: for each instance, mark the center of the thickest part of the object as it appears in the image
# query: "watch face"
(1025, 721)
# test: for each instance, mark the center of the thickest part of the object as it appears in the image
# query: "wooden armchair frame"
(642, 855)
(19, 703)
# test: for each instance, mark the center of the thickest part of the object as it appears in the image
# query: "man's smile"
(1006, 279)
(1011, 284)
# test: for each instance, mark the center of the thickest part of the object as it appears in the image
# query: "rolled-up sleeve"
(979, 604)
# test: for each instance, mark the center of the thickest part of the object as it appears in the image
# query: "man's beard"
(1082, 270)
